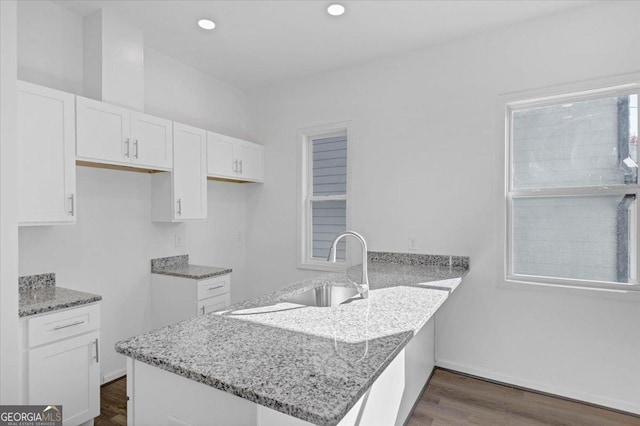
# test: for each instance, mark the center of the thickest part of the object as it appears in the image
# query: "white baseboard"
(113, 375)
(615, 404)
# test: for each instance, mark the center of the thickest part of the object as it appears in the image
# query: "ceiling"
(261, 42)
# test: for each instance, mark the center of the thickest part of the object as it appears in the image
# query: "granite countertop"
(307, 362)
(39, 294)
(178, 266)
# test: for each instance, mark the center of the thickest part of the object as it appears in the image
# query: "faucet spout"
(363, 287)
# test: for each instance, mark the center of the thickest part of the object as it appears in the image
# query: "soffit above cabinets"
(257, 43)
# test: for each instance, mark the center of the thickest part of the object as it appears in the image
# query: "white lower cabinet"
(61, 355)
(175, 299)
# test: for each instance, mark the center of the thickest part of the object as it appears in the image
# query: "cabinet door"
(46, 156)
(250, 160)
(214, 304)
(189, 172)
(151, 141)
(220, 161)
(67, 373)
(102, 132)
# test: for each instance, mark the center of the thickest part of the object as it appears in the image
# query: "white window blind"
(327, 201)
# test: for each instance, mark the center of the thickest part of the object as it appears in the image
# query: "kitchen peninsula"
(267, 361)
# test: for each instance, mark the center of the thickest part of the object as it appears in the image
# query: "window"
(572, 189)
(323, 189)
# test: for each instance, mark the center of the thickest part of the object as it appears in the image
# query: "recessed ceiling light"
(335, 9)
(206, 24)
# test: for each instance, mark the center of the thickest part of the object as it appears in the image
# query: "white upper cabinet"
(250, 157)
(220, 161)
(231, 158)
(102, 132)
(151, 141)
(46, 156)
(190, 172)
(111, 134)
(181, 195)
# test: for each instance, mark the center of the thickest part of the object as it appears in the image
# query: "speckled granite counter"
(307, 362)
(178, 266)
(39, 294)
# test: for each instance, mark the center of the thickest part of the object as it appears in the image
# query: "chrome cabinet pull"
(235, 166)
(179, 206)
(72, 199)
(215, 288)
(136, 148)
(97, 350)
(203, 310)
(126, 143)
(60, 327)
(240, 166)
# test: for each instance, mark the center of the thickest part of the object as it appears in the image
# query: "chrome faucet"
(363, 287)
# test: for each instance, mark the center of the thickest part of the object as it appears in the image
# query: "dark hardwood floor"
(450, 399)
(113, 404)
(454, 399)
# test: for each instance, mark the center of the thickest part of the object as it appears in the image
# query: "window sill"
(592, 288)
(323, 265)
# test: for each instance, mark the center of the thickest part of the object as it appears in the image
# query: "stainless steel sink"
(324, 296)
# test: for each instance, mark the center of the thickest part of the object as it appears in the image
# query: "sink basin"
(324, 296)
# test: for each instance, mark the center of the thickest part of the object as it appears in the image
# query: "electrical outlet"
(413, 243)
(179, 241)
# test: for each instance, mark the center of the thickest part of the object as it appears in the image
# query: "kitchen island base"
(160, 397)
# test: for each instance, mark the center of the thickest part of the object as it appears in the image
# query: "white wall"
(108, 251)
(50, 46)
(425, 150)
(9, 353)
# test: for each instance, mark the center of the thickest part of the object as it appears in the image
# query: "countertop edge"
(23, 313)
(191, 276)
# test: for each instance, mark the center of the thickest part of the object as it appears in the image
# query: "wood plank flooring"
(454, 399)
(113, 404)
(450, 399)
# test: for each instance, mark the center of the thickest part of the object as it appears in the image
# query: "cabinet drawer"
(214, 287)
(60, 325)
(214, 303)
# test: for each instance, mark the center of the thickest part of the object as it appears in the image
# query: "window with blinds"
(329, 198)
(324, 195)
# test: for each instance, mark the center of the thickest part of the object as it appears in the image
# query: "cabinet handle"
(215, 288)
(72, 210)
(179, 206)
(60, 327)
(135, 147)
(97, 350)
(240, 166)
(235, 166)
(203, 310)
(126, 143)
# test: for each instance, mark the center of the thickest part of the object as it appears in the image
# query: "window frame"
(306, 197)
(507, 104)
